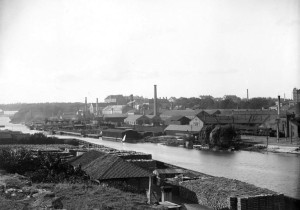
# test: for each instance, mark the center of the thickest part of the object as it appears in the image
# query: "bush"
(41, 168)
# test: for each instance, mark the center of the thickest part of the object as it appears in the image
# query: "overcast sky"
(64, 50)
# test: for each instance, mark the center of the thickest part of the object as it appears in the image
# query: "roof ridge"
(114, 163)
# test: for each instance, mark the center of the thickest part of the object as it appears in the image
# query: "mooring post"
(149, 190)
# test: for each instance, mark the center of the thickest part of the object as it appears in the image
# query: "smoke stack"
(97, 108)
(278, 105)
(155, 101)
(247, 95)
(131, 100)
(85, 105)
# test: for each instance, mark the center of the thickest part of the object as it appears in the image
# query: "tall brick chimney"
(155, 101)
(97, 108)
(85, 105)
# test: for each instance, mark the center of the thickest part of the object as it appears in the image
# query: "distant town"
(66, 146)
(170, 116)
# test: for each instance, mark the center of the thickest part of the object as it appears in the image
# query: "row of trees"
(227, 103)
(38, 138)
(40, 111)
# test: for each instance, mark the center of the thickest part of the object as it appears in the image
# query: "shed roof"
(107, 166)
(86, 158)
(135, 117)
(224, 119)
(189, 128)
(208, 119)
(115, 116)
(177, 118)
(186, 113)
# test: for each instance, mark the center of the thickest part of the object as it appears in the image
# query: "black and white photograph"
(150, 104)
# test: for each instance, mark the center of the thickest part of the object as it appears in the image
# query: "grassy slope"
(83, 197)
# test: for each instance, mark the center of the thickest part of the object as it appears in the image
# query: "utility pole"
(278, 118)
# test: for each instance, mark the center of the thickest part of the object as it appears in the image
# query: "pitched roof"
(114, 116)
(186, 113)
(114, 107)
(103, 166)
(258, 118)
(183, 128)
(212, 111)
(242, 119)
(177, 118)
(208, 119)
(135, 117)
(114, 96)
(152, 116)
(86, 158)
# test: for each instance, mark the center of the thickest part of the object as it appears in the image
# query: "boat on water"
(120, 135)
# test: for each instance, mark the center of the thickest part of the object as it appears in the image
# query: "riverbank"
(270, 144)
(188, 185)
(262, 169)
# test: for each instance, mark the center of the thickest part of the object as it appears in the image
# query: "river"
(278, 172)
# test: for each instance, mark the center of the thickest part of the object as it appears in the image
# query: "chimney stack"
(97, 108)
(278, 105)
(247, 95)
(131, 100)
(155, 101)
(85, 105)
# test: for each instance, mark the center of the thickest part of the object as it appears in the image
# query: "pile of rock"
(216, 192)
(19, 188)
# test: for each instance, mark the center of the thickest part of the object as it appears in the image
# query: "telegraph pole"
(278, 118)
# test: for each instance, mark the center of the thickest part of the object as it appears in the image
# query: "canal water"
(278, 172)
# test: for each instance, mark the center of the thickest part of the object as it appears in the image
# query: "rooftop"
(101, 166)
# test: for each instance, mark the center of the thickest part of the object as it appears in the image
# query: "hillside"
(38, 112)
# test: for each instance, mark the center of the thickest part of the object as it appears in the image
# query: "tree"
(228, 104)
(222, 136)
